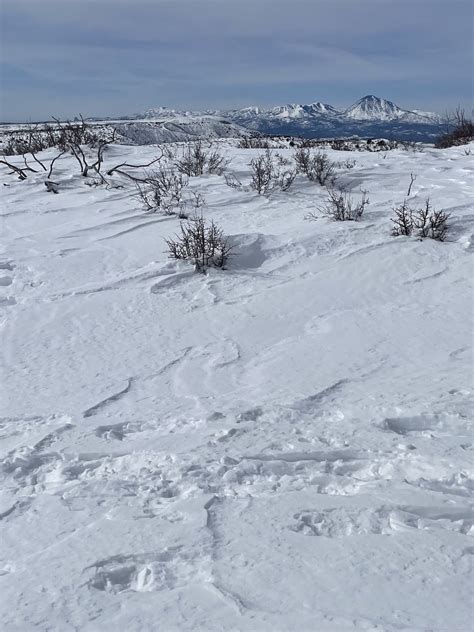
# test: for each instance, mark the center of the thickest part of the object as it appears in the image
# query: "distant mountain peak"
(371, 107)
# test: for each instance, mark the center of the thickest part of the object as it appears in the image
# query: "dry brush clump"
(196, 160)
(316, 167)
(270, 172)
(342, 207)
(162, 190)
(201, 242)
(424, 222)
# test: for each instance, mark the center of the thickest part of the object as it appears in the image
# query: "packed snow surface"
(283, 445)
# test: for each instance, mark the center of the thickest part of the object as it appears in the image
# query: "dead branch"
(118, 168)
(412, 180)
(20, 171)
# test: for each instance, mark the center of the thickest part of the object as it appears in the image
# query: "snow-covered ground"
(285, 445)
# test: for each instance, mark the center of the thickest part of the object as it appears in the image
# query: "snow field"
(283, 445)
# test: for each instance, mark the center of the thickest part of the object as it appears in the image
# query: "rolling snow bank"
(284, 445)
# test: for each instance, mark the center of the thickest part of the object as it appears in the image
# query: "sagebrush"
(424, 222)
(339, 206)
(204, 243)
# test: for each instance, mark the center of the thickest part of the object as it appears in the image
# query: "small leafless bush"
(424, 222)
(341, 207)
(267, 174)
(196, 161)
(403, 221)
(285, 179)
(437, 225)
(316, 167)
(201, 242)
(75, 138)
(263, 173)
(162, 190)
(322, 170)
(302, 158)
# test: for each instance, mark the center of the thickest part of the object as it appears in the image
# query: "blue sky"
(112, 57)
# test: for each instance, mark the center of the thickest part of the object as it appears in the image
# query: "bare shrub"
(438, 225)
(200, 242)
(285, 179)
(302, 158)
(459, 130)
(267, 174)
(216, 163)
(317, 167)
(196, 161)
(162, 190)
(403, 221)
(263, 173)
(424, 222)
(321, 170)
(74, 137)
(341, 207)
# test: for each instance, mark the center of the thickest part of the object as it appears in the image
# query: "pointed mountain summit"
(372, 108)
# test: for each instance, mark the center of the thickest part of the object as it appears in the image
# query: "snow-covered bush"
(200, 242)
(341, 207)
(424, 222)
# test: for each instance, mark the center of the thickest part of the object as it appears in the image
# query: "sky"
(115, 57)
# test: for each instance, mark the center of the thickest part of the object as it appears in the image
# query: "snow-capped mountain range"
(369, 116)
